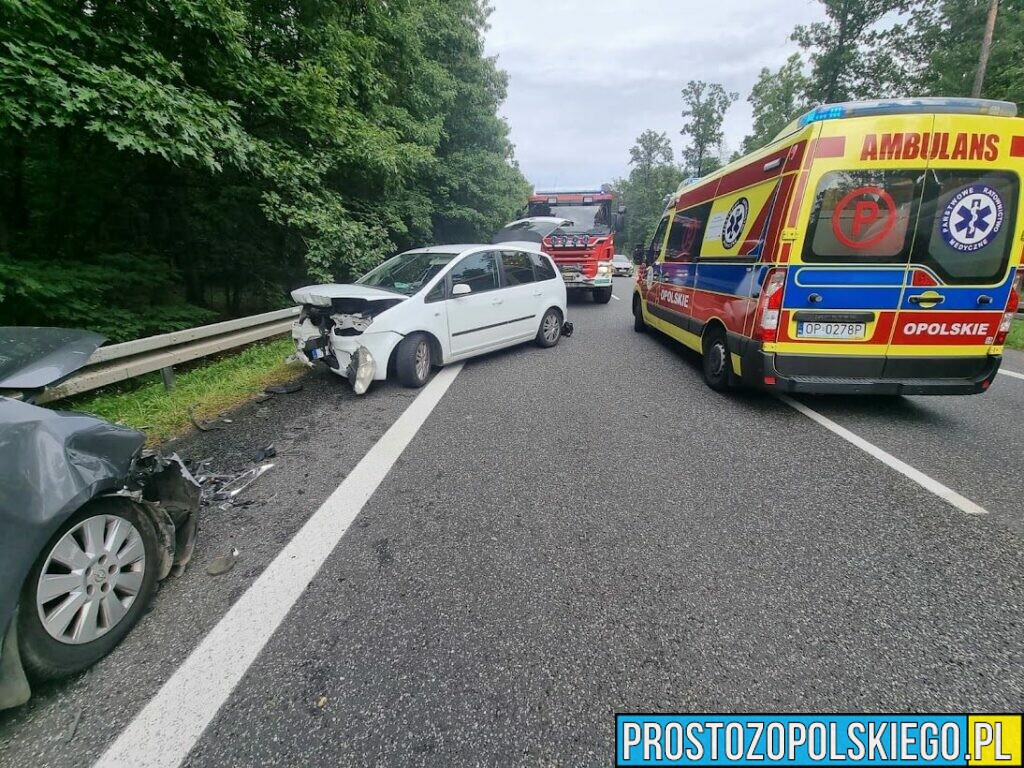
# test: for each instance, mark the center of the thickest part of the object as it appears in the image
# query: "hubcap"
(551, 327)
(90, 579)
(717, 359)
(422, 360)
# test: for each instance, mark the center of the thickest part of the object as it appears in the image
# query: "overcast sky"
(586, 77)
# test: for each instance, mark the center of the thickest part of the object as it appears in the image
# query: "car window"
(437, 293)
(687, 233)
(863, 217)
(517, 266)
(654, 249)
(965, 231)
(479, 271)
(542, 267)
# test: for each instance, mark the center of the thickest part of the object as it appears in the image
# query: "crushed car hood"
(322, 295)
(34, 358)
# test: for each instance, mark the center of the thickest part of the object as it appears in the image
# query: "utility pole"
(986, 48)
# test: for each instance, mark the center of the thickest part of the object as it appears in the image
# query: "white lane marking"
(616, 297)
(929, 484)
(167, 728)
(1011, 373)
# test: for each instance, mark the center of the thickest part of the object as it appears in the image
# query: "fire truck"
(583, 243)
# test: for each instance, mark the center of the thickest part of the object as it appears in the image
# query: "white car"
(621, 266)
(429, 307)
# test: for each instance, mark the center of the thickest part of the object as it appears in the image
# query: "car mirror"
(638, 255)
(461, 289)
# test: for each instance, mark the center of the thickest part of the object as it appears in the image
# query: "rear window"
(967, 224)
(959, 223)
(863, 216)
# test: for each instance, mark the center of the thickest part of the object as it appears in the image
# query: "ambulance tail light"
(1011, 309)
(770, 305)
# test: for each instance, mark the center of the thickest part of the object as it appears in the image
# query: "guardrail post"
(167, 374)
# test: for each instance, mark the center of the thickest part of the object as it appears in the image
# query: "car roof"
(460, 248)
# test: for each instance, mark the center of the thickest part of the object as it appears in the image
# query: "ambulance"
(873, 247)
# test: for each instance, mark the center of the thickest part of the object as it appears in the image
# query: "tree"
(777, 98)
(650, 150)
(850, 56)
(942, 42)
(652, 176)
(705, 107)
(173, 161)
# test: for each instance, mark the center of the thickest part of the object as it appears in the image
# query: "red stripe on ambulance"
(946, 327)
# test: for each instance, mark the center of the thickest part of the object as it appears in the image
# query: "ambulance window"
(686, 234)
(654, 249)
(863, 216)
(967, 224)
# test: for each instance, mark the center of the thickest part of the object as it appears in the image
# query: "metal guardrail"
(120, 362)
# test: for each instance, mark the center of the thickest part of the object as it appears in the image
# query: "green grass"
(208, 390)
(1016, 338)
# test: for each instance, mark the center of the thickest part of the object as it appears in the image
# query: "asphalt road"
(580, 531)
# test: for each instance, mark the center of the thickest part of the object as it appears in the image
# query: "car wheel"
(603, 295)
(413, 360)
(716, 364)
(91, 584)
(550, 330)
(638, 316)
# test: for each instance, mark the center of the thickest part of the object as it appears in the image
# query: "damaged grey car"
(90, 522)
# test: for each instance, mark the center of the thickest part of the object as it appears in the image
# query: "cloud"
(587, 77)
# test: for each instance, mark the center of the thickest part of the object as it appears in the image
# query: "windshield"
(406, 273)
(592, 218)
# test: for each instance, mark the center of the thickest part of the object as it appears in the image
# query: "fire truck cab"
(582, 246)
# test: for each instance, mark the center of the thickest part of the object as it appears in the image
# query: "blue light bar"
(925, 105)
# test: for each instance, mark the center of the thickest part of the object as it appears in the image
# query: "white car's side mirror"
(461, 289)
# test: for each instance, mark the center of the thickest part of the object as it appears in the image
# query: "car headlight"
(604, 268)
(361, 369)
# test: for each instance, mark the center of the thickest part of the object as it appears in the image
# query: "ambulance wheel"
(716, 364)
(638, 316)
(603, 295)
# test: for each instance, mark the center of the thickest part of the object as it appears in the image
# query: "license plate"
(830, 330)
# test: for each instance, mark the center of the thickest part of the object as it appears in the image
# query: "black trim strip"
(678, 319)
(815, 316)
(495, 325)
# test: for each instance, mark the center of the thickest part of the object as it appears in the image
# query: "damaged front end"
(330, 329)
(52, 465)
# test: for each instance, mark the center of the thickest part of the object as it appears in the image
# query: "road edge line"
(165, 730)
(1011, 373)
(928, 483)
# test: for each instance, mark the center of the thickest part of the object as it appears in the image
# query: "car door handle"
(920, 299)
(498, 301)
(983, 300)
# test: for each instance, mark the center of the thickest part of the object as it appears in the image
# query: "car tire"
(716, 365)
(550, 330)
(639, 325)
(603, 295)
(114, 545)
(413, 360)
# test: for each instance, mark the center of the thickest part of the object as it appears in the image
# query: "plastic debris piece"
(284, 389)
(239, 483)
(222, 564)
(269, 451)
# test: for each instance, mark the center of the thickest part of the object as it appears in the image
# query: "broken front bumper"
(359, 358)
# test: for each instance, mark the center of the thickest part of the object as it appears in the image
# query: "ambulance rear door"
(959, 268)
(852, 249)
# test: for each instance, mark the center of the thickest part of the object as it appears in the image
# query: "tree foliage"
(236, 148)
(777, 98)
(704, 109)
(653, 174)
